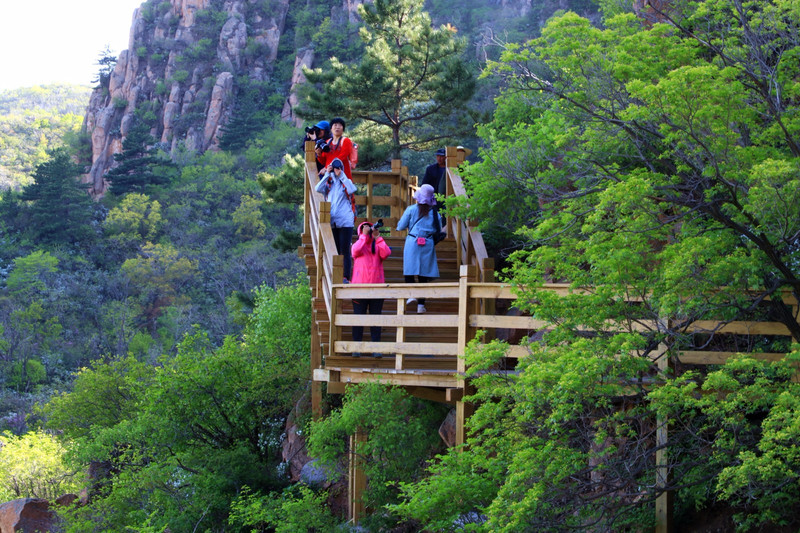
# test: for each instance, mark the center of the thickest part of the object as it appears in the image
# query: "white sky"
(59, 41)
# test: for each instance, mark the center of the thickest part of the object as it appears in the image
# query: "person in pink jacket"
(368, 252)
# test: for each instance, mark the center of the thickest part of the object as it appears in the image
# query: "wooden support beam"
(463, 411)
(316, 362)
(356, 478)
(401, 332)
(325, 374)
(336, 387)
(427, 393)
(665, 501)
(454, 395)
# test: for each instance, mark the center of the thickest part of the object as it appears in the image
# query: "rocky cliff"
(179, 71)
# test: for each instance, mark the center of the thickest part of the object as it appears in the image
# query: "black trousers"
(343, 237)
(422, 279)
(360, 307)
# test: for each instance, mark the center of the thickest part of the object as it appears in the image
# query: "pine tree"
(60, 207)
(412, 78)
(249, 118)
(138, 165)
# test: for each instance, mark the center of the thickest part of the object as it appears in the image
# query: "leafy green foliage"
(248, 119)
(400, 435)
(652, 168)
(33, 121)
(135, 218)
(185, 437)
(31, 466)
(741, 421)
(297, 508)
(533, 440)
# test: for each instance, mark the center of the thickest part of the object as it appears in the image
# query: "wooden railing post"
(311, 158)
(399, 360)
(465, 333)
(336, 303)
(488, 304)
(324, 218)
(370, 194)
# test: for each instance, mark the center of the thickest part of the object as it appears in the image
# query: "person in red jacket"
(341, 147)
(369, 252)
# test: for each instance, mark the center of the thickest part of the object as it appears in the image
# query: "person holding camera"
(369, 252)
(341, 147)
(340, 190)
(419, 253)
(320, 130)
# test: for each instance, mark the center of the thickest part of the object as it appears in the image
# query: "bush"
(31, 466)
(180, 76)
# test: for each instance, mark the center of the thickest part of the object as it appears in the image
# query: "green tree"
(106, 62)
(135, 218)
(249, 117)
(160, 273)
(412, 79)
(60, 207)
(139, 165)
(247, 218)
(32, 466)
(656, 165)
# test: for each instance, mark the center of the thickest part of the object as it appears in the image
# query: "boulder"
(26, 515)
(447, 431)
(293, 451)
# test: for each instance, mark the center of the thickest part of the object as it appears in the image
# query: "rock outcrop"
(26, 515)
(178, 74)
(304, 59)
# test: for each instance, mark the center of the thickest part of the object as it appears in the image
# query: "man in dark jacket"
(435, 175)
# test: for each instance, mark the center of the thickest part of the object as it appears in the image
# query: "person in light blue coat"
(338, 189)
(419, 253)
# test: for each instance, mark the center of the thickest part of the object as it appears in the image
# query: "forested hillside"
(154, 318)
(33, 121)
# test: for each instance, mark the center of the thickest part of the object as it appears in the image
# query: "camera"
(324, 146)
(378, 224)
